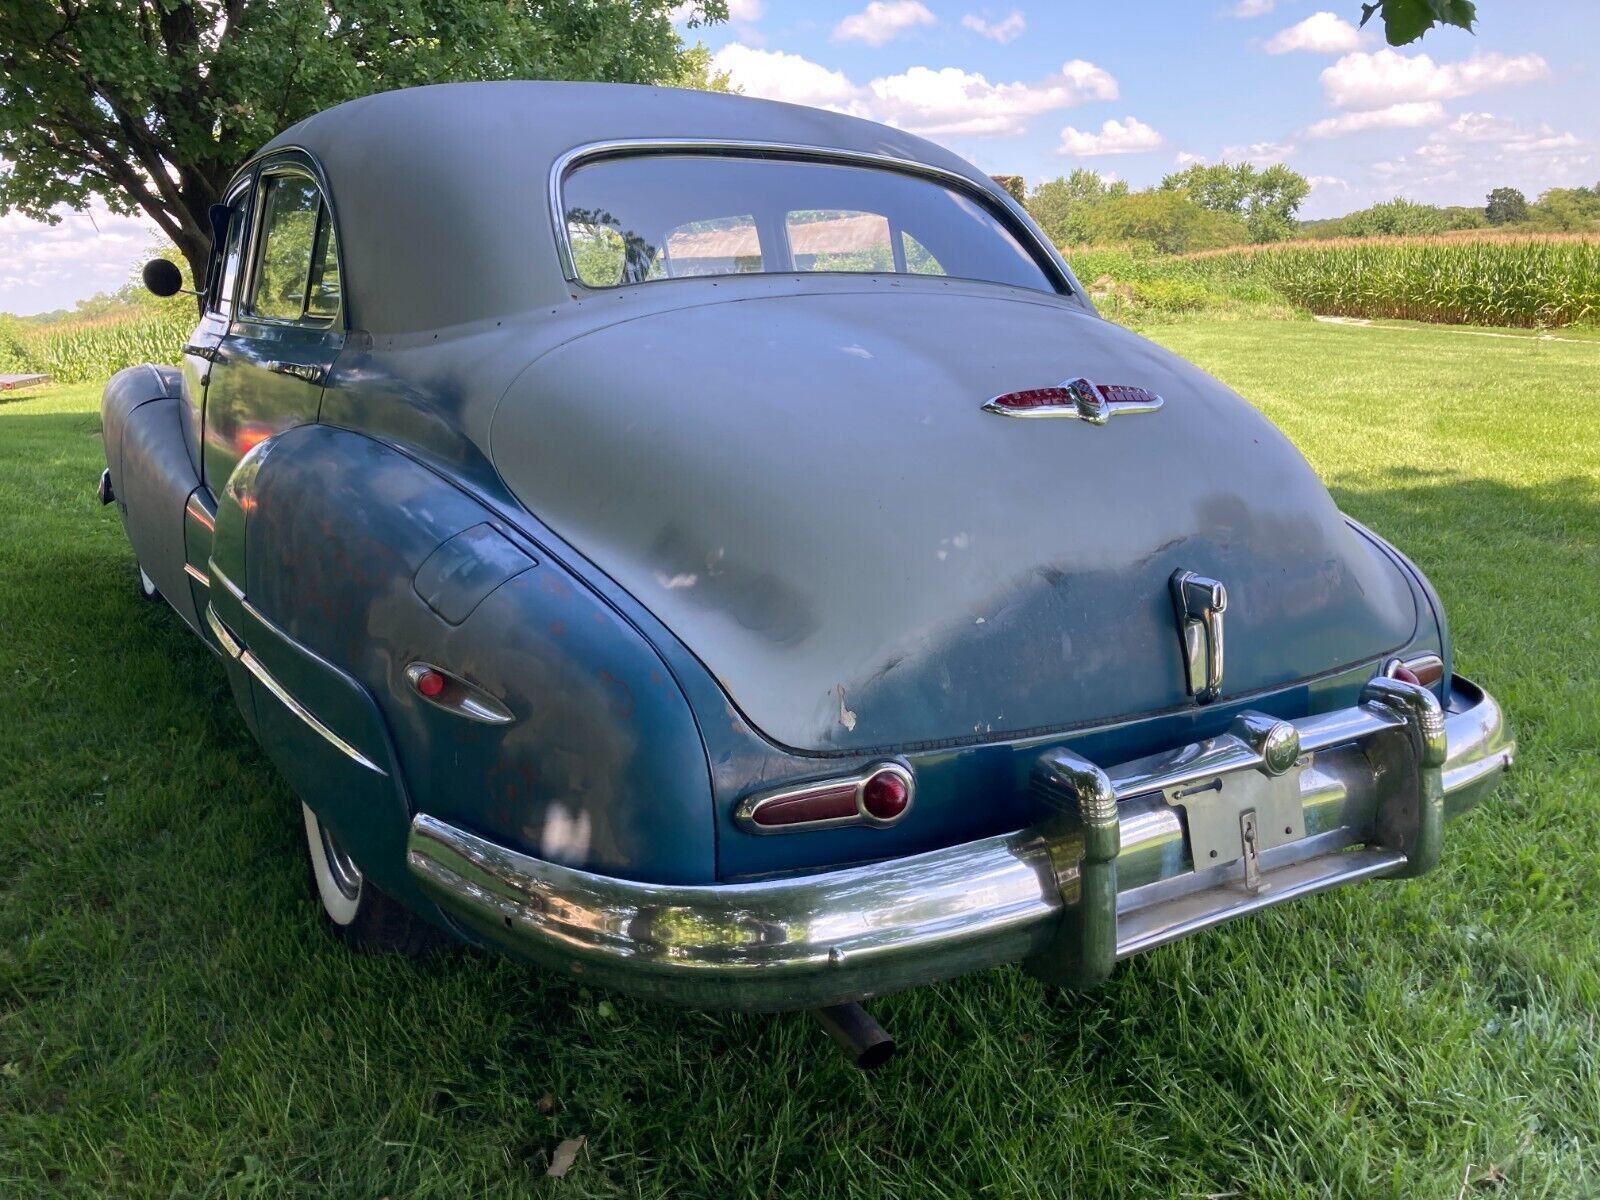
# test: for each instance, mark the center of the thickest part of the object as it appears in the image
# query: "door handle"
(305, 371)
(209, 353)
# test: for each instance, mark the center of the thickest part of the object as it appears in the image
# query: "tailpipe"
(865, 1043)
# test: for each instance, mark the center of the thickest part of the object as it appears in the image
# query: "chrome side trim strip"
(801, 941)
(225, 639)
(196, 574)
(265, 678)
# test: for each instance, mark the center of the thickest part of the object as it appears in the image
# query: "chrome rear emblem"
(1078, 398)
(1199, 603)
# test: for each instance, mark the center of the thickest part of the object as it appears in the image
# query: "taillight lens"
(886, 795)
(878, 796)
(1425, 669)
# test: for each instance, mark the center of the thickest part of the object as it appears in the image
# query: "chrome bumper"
(1112, 874)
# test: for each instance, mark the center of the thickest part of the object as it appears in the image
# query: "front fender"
(337, 541)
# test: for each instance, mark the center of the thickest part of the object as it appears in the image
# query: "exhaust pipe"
(865, 1043)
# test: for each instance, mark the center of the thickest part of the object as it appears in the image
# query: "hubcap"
(342, 869)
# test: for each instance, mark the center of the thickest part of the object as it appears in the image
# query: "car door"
(230, 222)
(286, 328)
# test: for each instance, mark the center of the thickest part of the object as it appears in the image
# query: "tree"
(1506, 206)
(1568, 209)
(152, 104)
(1404, 21)
(1395, 218)
(1168, 222)
(1062, 205)
(1267, 200)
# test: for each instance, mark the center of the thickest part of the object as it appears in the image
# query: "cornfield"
(1547, 281)
(79, 351)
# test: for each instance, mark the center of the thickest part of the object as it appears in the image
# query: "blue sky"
(1132, 90)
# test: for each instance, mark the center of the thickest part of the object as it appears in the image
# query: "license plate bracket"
(1215, 809)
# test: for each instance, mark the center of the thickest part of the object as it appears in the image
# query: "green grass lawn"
(174, 1022)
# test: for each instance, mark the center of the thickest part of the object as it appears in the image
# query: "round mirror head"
(162, 277)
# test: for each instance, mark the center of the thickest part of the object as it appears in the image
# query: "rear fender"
(355, 562)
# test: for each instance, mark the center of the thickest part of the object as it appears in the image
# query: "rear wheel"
(362, 916)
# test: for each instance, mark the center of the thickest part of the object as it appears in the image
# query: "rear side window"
(297, 272)
(642, 217)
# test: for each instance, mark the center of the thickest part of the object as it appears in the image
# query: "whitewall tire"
(362, 916)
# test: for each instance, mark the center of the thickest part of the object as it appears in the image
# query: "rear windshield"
(668, 216)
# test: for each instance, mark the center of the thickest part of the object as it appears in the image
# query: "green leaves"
(153, 104)
(1404, 21)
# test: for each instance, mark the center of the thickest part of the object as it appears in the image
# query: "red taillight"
(880, 795)
(885, 795)
(430, 683)
(1035, 397)
(834, 803)
(1425, 669)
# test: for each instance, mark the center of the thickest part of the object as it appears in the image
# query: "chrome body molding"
(1076, 399)
(1110, 873)
(235, 649)
(461, 698)
(1046, 254)
(265, 679)
(196, 574)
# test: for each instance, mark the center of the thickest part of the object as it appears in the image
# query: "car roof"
(442, 192)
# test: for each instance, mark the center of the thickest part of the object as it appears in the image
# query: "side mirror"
(162, 277)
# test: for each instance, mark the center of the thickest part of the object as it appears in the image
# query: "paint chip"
(846, 717)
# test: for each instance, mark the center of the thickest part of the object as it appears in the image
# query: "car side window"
(232, 256)
(297, 272)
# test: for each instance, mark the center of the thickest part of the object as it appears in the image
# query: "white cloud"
(1261, 154)
(1323, 33)
(1327, 183)
(1252, 8)
(1184, 159)
(1007, 30)
(1396, 116)
(922, 99)
(43, 267)
(953, 101)
(1505, 133)
(1370, 81)
(1130, 136)
(1483, 136)
(882, 21)
(776, 75)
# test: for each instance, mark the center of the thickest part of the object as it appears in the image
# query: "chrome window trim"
(1004, 209)
(279, 164)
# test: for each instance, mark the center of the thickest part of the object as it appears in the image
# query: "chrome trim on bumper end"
(805, 941)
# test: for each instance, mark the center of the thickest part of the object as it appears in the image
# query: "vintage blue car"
(714, 548)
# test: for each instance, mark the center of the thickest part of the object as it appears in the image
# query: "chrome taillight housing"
(879, 796)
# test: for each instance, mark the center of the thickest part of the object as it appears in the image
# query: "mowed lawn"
(173, 1021)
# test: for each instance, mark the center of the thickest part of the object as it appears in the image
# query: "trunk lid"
(807, 491)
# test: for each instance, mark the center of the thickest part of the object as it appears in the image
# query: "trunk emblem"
(1199, 604)
(1078, 398)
